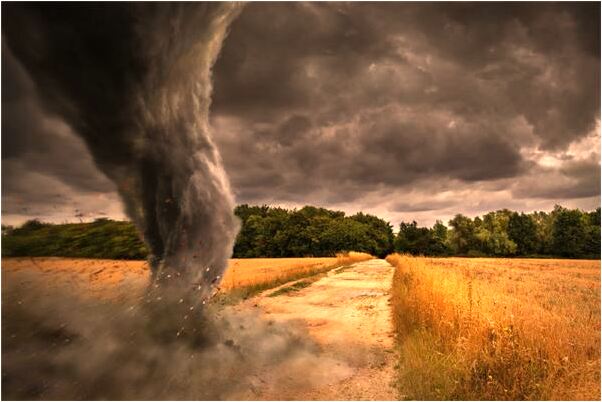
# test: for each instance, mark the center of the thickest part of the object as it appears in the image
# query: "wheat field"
(488, 328)
(258, 271)
(123, 279)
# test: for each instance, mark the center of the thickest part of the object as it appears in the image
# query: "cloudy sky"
(407, 111)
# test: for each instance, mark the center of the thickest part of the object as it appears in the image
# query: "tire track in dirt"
(347, 315)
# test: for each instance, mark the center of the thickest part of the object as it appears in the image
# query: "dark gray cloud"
(475, 60)
(404, 206)
(47, 170)
(348, 105)
(573, 180)
(329, 101)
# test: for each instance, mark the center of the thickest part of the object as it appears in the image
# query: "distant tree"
(421, 240)
(440, 231)
(309, 231)
(244, 211)
(569, 232)
(299, 238)
(381, 232)
(312, 231)
(492, 234)
(463, 237)
(30, 226)
(412, 239)
(439, 244)
(100, 239)
(522, 230)
(592, 243)
(543, 223)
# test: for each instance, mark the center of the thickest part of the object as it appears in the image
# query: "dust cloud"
(57, 345)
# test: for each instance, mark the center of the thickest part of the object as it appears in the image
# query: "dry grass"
(120, 279)
(247, 277)
(256, 271)
(497, 328)
(88, 278)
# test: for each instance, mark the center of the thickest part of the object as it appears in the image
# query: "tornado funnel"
(134, 81)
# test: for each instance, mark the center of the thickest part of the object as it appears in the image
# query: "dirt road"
(347, 314)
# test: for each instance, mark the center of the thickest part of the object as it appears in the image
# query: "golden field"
(123, 279)
(260, 271)
(485, 328)
(244, 272)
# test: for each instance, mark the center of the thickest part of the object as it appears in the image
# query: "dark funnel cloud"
(134, 81)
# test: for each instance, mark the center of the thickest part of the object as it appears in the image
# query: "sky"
(409, 111)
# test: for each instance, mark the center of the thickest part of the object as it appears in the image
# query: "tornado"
(134, 81)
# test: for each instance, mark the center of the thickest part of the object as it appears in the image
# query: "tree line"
(309, 231)
(265, 232)
(569, 233)
(317, 232)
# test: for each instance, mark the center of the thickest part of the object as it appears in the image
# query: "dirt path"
(347, 314)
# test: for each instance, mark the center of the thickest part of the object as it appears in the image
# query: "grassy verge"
(481, 331)
(296, 286)
(236, 295)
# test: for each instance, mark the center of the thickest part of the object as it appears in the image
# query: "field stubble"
(497, 328)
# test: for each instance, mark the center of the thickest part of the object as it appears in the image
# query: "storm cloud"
(47, 170)
(406, 110)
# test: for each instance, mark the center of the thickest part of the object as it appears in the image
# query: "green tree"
(421, 240)
(522, 230)
(592, 244)
(569, 233)
(412, 239)
(312, 231)
(439, 239)
(492, 234)
(463, 237)
(543, 223)
(380, 231)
